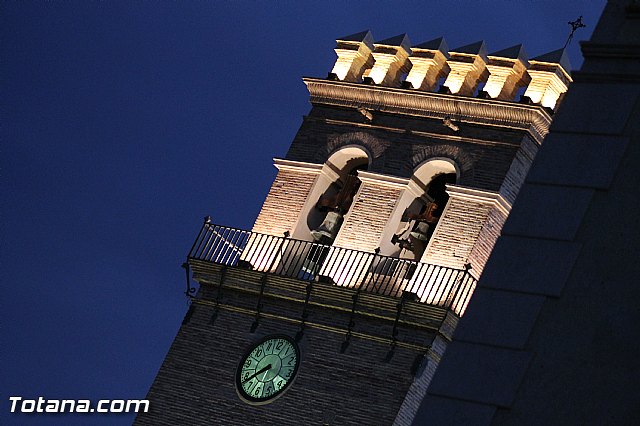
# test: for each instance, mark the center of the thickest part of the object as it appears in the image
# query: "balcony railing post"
(467, 268)
(275, 258)
(198, 240)
(470, 283)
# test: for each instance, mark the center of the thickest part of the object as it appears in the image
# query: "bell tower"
(336, 307)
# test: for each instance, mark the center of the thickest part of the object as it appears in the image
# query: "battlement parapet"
(507, 74)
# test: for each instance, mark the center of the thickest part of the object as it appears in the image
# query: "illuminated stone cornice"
(479, 195)
(297, 166)
(304, 167)
(531, 118)
(382, 179)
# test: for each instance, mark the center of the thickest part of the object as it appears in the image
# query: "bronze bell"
(328, 229)
(420, 231)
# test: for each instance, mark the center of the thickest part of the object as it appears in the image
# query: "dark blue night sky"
(125, 123)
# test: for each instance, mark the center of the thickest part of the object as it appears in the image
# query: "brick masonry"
(518, 170)
(418, 388)
(486, 240)
(195, 384)
(398, 144)
(457, 232)
(364, 225)
(489, 158)
(284, 202)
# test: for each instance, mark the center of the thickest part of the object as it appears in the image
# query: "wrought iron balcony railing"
(309, 261)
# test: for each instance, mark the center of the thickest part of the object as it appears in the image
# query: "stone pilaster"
(470, 224)
(370, 212)
(487, 238)
(287, 197)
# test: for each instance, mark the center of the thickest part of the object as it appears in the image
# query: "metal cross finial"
(574, 26)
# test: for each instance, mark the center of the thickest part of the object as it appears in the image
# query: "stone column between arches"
(287, 196)
(468, 229)
(370, 212)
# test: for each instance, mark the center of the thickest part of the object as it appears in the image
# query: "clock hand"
(265, 375)
(262, 370)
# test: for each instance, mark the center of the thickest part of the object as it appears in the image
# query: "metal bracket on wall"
(305, 313)
(256, 322)
(190, 290)
(216, 307)
(263, 283)
(418, 363)
(347, 337)
(406, 296)
(189, 293)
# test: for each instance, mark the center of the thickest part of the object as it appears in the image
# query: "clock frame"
(267, 369)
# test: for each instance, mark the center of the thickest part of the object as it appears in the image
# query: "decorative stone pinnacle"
(507, 68)
(549, 78)
(354, 56)
(390, 57)
(429, 63)
(468, 68)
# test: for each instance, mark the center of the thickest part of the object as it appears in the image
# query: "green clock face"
(267, 369)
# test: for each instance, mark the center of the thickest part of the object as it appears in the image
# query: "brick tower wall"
(195, 384)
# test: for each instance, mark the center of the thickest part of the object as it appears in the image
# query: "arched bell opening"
(421, 218)
(332, 195)
(419, 209)
(335, 202)
(323, 213)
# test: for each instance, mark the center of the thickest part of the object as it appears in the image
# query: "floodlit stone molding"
(549, 78)
(354, 56)
(468, 67)
(390, 57)
(508, 73)
(429, 63)
(415, 102)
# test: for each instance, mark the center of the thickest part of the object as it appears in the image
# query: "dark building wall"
(585, 344)
(195, 384)
(550, 336)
